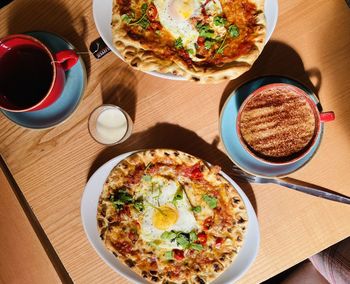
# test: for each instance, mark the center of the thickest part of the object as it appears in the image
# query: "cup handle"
(67, 58)
(327, 116)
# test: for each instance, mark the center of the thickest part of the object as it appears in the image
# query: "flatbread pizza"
(171, 217)
(201, 40)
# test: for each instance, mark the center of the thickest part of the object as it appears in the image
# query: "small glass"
(110, 125)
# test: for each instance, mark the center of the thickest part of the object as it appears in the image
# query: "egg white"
(163, 193)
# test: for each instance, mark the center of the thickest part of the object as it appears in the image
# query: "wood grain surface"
(310, 43)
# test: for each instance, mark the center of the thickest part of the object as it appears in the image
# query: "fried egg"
(175, 16)
(162, 214)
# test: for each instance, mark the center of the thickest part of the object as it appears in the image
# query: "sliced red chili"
(178, 254)
(219, 241)
(200, 40)
(194, 172)
(208, 222)
(202, 238)
(152, 12)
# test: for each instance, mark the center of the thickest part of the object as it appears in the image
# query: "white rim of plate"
(242, 262)
(271, 16)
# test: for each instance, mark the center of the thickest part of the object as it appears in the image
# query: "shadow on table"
(277, 58)
(50, 16)
(166, 135)
(118, 87)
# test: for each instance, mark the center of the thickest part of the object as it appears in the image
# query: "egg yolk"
(164, 217)
(183, 9)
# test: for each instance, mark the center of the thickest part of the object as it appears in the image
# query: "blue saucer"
(71, 96)
(230, 139)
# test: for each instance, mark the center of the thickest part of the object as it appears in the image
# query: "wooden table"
(51, 167)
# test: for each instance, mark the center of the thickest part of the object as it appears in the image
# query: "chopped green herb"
(178, 43)
(233, 30)
(210, 200)
(154, 244)
(146, 178)
(208, 44)
(193, 237)
(197, 209)
(179, 194)
(168, 235)
(196, 246)
(144, 23)
(169, 255)
(205, 31)
(138, 204)
(144, 8)
(126, 18)
(219, 21)
(222, 46)
(182, 241)
(120, 199)
(191, 51)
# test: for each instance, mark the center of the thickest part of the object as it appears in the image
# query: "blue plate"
(70, 98)
(230, 139)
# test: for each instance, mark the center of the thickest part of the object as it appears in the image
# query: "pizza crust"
(145, 60)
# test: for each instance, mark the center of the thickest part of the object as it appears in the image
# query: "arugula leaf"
(182, 241)
(208, 44)
(210, 200)
(197, 209)
(126, 18)
(146, 178)
(124, 197)
(221, 50)
(233, 31)
(196, 246)
(144, 8)
(169, 255)
(178, 43)
(193, 237)
(219, 21)
(168, 235)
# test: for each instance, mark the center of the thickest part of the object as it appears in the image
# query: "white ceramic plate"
(102, 10)
(240, 265)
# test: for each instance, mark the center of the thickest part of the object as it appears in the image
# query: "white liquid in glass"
(111, 125)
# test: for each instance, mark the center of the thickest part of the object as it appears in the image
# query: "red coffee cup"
(272, 119)
(31, 76)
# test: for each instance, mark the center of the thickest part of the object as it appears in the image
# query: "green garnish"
(205, 31)
(146, 178)
(210, 200)
(144, 8)
(126, 18)
(178, 43)
(196, 246)
(182, 241)
(179, 194)
(168, 235)
(208, 44)
(191, 51)
(233, 31)
(222, 46)
(138, 204)
(169, 255)
(219, 21)
(143, 23)
(193, 237)
(197, 209)
(120, 199)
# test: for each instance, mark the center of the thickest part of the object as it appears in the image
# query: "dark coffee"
(26, 75)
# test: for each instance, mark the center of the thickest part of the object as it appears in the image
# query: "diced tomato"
(178, 254)
(202, 238)
(194, 172)
(156, 26)
(152, 12)
(133, 236)
(208, 222)
(200, 40)
(219, 241)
